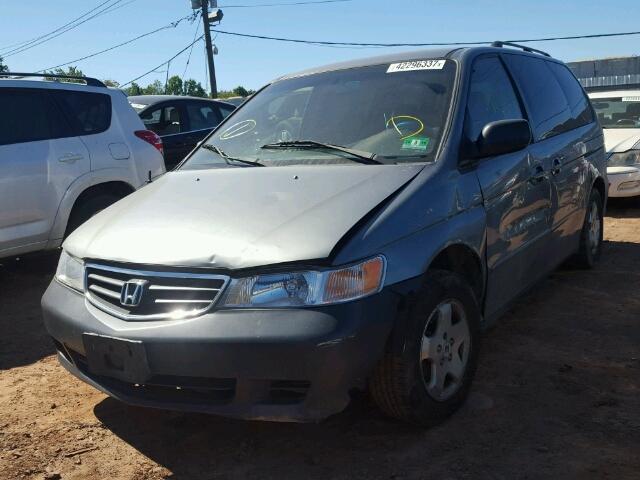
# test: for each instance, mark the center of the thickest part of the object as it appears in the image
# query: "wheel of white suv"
(431, 378)
(592, 233)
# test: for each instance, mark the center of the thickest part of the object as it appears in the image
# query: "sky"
(253, 63)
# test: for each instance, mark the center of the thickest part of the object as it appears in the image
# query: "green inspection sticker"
(416, 143)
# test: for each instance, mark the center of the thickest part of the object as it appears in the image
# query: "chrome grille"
(161, 295)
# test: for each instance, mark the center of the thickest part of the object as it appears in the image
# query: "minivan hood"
(238, 217)
(620, 139)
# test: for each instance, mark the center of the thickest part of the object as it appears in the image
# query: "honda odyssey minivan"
(349, 227)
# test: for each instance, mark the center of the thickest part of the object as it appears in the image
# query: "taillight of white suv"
(152, 138)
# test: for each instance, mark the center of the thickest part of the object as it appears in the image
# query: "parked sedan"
(619, 114)
(181, 122)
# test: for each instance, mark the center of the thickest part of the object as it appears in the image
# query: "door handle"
(70, 158)
(538, 175)
(556, 166)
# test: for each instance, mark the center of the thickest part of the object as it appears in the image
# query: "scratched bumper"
(287, 364)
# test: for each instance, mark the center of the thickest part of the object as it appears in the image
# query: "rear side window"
(88, 112)
(29, 115)
(203, 116)
(547, 103)
(581, 112)
(491, 97)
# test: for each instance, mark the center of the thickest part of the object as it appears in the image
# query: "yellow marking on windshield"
(392, 121)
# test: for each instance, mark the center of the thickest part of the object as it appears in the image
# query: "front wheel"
(431, 378)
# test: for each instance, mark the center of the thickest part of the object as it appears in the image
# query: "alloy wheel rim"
(445, 348)
(594, 228)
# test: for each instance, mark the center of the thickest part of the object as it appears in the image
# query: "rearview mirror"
(503, 136)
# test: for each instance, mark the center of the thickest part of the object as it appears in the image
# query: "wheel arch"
(463, 260)
(456, 257)
(81, 189)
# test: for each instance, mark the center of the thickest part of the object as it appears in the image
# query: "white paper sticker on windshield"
(416, 65)
(631, 99)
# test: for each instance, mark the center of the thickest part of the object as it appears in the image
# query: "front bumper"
(625, 184)
(285, 365)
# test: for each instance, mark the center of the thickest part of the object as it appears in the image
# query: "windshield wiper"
(362, 157)
(227, 158)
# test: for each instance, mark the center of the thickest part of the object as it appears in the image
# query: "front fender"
(435, 210)
(88, 180)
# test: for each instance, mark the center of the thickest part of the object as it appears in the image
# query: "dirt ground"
(557, 395)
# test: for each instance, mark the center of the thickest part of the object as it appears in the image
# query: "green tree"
(174, 86)
(193, 88)
(241, 91)
(3, 66)
(71, 71)
(134, 89)
(155, 88)
(111, 83)
(236, 92)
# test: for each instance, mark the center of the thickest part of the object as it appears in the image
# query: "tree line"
(174, 85)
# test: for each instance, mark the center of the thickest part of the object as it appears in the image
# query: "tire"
(404, 385)
(591, 235)
(88, 208)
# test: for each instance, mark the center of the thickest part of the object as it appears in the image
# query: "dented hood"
(620, 139)
(238, 217)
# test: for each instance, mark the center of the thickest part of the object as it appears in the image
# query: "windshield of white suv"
(377, 114)
(618, 112)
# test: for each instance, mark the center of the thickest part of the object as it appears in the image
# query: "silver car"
(349, 227)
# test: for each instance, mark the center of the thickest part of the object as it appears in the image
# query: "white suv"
(67, 151)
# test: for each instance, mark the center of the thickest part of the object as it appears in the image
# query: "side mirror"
(503, 136)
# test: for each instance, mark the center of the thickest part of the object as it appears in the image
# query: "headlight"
(70, 272)
(625, 159)
(307, 288)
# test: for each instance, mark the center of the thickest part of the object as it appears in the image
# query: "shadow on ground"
(623, 207)
(23, 338)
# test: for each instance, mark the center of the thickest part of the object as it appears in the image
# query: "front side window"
(491, 97)
(29, 115)
(89, 113)
(165, 120)
(391, 113)
(548, 106)
(618, 111)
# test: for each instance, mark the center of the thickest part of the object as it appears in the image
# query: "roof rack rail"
(91, 82)
(501, 44)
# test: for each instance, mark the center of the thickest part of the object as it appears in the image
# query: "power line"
(72, 27)
(186, 66)
(259, 5)
(171, 25)
(165, 62)
(119, 6)
(430, 44)
(8, 47)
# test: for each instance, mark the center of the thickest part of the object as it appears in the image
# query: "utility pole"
(207, 38)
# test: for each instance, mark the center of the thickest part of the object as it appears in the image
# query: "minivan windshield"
(618, 112)
(370, 115)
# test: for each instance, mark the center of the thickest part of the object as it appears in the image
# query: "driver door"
(516, 190)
